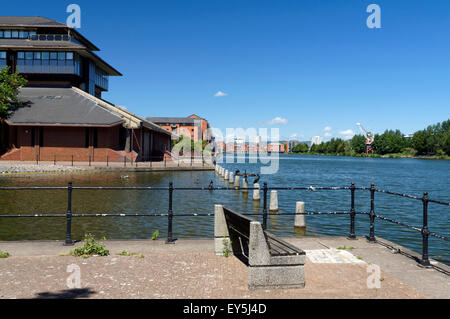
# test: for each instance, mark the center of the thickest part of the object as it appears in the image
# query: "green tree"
(358, 144)
(389, 142)
(300, 148)
(9, 90)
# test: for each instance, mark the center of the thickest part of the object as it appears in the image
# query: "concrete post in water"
(231, 178)
(244, 186)
(256, 192)
(300, 220)
(237, 183)
(226, 175)
(273, 207)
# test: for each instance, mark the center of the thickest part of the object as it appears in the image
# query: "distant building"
(276, 148)
(194, 127)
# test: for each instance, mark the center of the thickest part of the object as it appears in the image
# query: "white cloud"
(327, 128)
(328, 134)
(220, 94)
(277, 121)
(347, 134)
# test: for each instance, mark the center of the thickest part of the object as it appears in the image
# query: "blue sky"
(314, 64)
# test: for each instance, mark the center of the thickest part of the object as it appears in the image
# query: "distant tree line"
(432, 141)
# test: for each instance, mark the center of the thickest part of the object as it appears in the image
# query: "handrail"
(170, 215)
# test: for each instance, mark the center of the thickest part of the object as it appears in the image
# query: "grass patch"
(226, 247)
(140, 256)
(4, 254)
(126, 253)
(90, 248)
(155, 234)
(346, 248)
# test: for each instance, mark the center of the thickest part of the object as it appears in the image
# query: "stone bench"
(272, 262)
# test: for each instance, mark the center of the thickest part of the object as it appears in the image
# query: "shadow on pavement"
(66, 294)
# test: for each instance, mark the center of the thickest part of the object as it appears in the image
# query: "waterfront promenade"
(190, 269)
(8, 167)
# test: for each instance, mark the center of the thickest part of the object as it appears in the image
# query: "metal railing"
(118, 160)
(424, 230)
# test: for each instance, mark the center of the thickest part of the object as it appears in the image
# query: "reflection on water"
(402, 175)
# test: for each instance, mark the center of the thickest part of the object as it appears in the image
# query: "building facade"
(61, 114)
(193, 127)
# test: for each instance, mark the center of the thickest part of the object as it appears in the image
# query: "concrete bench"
(273, 263)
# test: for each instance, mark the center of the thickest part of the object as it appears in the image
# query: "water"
(409, 176)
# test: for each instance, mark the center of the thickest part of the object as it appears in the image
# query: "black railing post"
(425, 262)
(351, 235)
(68, 241)
(107, 160)
(170, 239)
(371, 237)
(72, 160)
(54, 159)
(265, 206)
(89, 160)
(124, 161)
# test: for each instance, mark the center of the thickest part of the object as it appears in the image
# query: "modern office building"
(62, 113)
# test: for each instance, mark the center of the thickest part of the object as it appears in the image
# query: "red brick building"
(194, 127)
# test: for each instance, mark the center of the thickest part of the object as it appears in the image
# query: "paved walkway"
(14, 168)
(189, 269)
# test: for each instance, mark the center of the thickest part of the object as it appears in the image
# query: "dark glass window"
(29, 55)
(50, 37)
(23, 34)
(37, 55)
(2, 55)
(61, 56)
(53, 55)
(1, 34)
(42, 37)
(69, 55)
(7, 34)
(58, 37)
(21, 55)
(15, 34)
(45, 55)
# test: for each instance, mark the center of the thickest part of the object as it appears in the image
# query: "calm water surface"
(401, 175)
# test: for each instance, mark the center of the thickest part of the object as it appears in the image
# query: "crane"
(370, 138)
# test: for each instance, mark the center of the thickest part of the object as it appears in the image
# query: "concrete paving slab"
(190, 269)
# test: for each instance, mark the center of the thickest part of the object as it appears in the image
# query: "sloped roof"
(11, 21)
(171, 120)
(27, 44)
(131, 120)
(60, 106)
